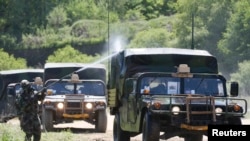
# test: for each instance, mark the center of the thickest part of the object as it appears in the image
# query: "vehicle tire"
(118, 133)
(192, 137)
(150, 128)
(101, 121)
(47, 119)
(234, 121)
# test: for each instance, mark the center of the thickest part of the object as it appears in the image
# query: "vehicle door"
(12, 91)
(131, 106)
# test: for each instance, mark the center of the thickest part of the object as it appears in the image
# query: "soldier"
(27, 107)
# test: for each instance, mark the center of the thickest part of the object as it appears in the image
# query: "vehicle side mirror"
(234, 89)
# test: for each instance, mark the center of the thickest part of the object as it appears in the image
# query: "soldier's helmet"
(25, 84)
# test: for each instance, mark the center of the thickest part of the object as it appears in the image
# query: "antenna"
(109, 63)
(192, 44)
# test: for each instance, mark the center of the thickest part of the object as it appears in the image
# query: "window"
(160, 85)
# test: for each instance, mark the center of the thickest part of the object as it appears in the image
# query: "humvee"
(75, 91)
(9, 88)
(167, 92)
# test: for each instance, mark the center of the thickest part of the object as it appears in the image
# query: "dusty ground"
(81, 128)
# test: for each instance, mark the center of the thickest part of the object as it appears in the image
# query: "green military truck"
(75, 91)
(9, 88)
(167, 92)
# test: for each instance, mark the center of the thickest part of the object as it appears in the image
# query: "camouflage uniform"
(27, 107)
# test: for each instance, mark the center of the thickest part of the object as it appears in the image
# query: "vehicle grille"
(204, 112)
(73, 104)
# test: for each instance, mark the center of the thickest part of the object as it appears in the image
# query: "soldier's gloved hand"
(43, 92)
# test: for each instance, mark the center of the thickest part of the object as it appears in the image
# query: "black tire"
(118, 133)
(47, 119)
(150, 128)
(234, 121)
(193, 137)
(101, 121)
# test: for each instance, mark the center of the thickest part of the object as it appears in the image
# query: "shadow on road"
(74, 130)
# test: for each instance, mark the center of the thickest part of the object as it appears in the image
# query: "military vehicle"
(8, 80)
(166, 92)
(14, 89)
(75, 91)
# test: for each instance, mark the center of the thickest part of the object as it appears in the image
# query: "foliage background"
(35, 32)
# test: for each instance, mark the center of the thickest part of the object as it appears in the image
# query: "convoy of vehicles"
(75, 91)
(175, 91)
(9, 87)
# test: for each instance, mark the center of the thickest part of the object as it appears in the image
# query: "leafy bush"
(69, 54)
(8, 62)
(89, 29)
(243, 77)
(151, 38)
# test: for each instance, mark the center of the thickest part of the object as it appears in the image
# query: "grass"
(10, 132)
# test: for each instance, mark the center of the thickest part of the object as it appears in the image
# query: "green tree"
(89, 29)
(20, 17)
(144, 9)
(57, 18)
(242, 76)
(210, 19)
(8, 62)
(23, 16)
(151, 38)
(235, 44)
(69, 54)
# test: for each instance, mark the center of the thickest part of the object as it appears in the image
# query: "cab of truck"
(175, 91)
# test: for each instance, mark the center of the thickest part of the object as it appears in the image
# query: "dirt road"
(108, 136)
(81, 128)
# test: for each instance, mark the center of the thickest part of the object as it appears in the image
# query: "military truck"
(75, 91)
(166, 92)
(8, 80)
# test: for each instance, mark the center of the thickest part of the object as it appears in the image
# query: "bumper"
(76, 116)
(196, 128)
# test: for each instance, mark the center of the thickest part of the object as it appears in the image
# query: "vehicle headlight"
(89, 105)
(175, 110)
(157, 105)
(236, 108)
(60, 106)
(218, 111)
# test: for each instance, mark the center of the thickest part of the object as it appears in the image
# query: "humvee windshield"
(170, 85)
(14, 89)
(84, 87)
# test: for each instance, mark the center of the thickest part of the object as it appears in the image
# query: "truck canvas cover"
(15, 76)
(85, 71)
(165, 60)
